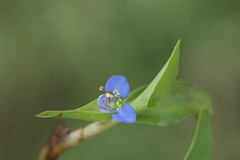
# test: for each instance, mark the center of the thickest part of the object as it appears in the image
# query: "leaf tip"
(47, 114)
(178, 44)
(40, 115)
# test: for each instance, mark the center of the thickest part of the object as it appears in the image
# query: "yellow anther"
(101, 88)
(118, 102)
(115, 91)
(109, 95)
(119, 107)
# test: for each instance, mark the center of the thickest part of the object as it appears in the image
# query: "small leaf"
(182, 100)
(160, 84)
(89, 112)
(202, 144)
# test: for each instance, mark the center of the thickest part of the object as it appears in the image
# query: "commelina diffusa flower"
(117, 89)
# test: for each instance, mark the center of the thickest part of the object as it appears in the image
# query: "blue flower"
(115, 91)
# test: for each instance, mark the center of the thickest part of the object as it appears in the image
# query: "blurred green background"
(54, 55)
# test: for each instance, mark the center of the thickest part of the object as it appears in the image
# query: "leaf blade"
(89, 112)
(202, 144)
(182, 100)
(93, 113)
(160, 84)
(168, 75)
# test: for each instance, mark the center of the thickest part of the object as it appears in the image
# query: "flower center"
(113, 100)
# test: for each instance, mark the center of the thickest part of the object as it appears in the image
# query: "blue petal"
(118, 83)
(102, 104)
(126, 114)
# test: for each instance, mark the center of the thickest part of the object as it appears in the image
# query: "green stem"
(61, 139)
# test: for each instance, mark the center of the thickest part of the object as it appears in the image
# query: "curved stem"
(61, 139)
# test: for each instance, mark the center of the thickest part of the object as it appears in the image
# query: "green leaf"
(182, 100)
(160, 85)
(167, 77)
(89, 112)
(202, 144)
(134, 94)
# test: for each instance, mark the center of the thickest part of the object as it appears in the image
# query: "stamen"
(115, 91)
(119, 107)
(119, 102)
(105, 100)
(109, 95)
(101, 88)
(107, 106)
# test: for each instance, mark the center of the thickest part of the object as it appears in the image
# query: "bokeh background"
(54, 55)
